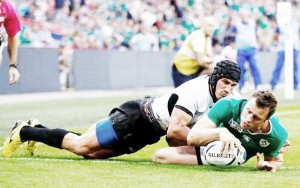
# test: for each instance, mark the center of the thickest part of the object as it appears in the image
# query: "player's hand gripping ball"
(214, 156)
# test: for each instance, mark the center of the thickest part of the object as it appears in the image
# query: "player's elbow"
(172, 133)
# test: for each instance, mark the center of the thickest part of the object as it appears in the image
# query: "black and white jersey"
(193, 97)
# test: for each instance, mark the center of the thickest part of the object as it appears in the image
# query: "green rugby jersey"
(227, 112)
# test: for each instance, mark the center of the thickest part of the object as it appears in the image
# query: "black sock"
(51, 137)
(42, 126)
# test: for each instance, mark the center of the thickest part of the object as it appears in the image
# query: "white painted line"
(76, 160)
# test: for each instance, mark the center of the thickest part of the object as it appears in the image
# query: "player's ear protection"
(224, 69)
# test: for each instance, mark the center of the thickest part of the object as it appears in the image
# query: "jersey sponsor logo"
(264, 143)
(247, 138)
(235, 125)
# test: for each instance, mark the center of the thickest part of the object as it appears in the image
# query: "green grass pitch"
(52, 167)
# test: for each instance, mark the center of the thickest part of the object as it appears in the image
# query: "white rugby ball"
(214, 156)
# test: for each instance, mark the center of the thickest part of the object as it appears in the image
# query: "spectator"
(281, 32)
(174, 19)
(144, 40)
(39, 35)
(195, 55)
(229, 51)
(246, 42)
(65, 62)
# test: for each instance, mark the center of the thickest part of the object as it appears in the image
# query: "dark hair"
(265, 99)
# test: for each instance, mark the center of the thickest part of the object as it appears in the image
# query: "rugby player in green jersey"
(248, 125)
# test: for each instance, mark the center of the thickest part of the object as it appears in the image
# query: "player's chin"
(222, 95)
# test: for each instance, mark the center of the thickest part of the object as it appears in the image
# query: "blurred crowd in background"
(150, 25)
(147, 25)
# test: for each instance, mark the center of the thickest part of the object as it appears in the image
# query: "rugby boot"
(13, 141)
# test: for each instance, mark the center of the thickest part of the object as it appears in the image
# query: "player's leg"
(104, 154)
(23, 132)
(76, 143)
(81, 144)
(124, 131)
(176, 155)
(30, 146)
(63, 139)
(254, 68)
(98, 141)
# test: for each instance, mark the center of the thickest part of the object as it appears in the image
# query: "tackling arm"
(178, 129)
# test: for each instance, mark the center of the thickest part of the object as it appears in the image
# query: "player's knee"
(81, 150)
(78, 147)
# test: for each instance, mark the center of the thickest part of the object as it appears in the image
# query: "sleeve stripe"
(184, 109)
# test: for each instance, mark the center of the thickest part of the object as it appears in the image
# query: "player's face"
(253, 117)
(224, 87)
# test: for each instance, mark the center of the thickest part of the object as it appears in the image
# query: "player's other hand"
(14, 75)
(264, 165)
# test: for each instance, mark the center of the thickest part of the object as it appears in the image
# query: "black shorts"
(133, 129)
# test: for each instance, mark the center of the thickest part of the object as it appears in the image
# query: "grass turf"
(52, 167)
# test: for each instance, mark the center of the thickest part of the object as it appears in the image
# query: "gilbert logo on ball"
(214, 156)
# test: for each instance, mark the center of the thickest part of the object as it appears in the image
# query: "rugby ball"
(214, 156)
